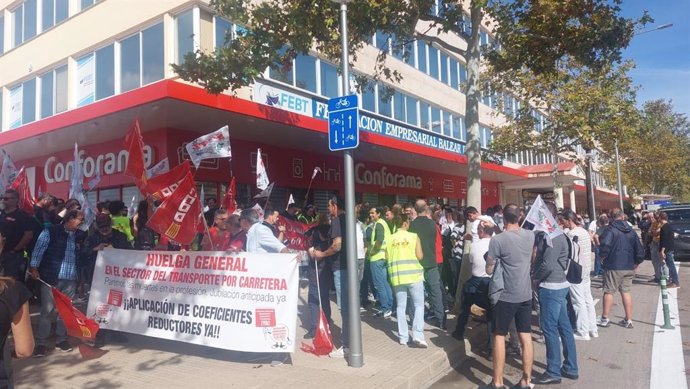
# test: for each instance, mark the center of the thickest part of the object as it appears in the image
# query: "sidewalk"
(145, 362)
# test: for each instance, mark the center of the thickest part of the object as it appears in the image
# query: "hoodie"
(620, 247)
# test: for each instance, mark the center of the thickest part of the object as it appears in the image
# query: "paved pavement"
(144, 362)
(619, 358)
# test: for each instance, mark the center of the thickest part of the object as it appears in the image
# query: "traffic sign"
(343, 123)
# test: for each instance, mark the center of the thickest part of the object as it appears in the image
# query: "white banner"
(86, 80)
(243, 302)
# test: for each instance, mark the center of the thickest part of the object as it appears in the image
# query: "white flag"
(543, 220)
(213, 145)
(76, 186)
(93, 183)
(132, 209)
(89, 213)
(7, 174)
(291, 200)
(259, 211)
(261, 174)
(316, 170)
(161, 167)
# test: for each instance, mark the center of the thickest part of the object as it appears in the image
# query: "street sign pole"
(356, 358)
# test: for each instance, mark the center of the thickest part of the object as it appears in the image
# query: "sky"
(663, 56)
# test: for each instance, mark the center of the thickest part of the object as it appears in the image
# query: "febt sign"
(55, 171)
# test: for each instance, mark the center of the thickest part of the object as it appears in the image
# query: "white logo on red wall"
(448, 186)
(107, 163)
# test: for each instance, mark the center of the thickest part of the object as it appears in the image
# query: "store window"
(305, 72)
(329, 80)
(184, 24)
(223, 31)
(105, 72)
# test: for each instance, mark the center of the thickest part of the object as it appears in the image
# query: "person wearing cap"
(308, 216)
(105, 236)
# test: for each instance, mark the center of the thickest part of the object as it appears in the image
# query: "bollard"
(664, 300)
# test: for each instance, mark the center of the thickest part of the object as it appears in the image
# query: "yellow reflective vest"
(381, 254)
(403, 266)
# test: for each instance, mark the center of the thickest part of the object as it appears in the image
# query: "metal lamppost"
(355, 358)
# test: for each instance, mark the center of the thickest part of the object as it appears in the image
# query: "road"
(619, 358)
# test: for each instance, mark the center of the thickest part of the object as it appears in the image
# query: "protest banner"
(243, 302)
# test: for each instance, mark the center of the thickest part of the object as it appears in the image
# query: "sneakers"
(39, 351)
(64, 346)
(419, 343)
(339, 353)
(625, 323)
(384, 314)
(594, 334)
(603, 322)
(309, 334)
(579, 336)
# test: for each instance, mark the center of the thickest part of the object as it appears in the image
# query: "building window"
(424, 115)
(399, 106)
(384, 103)
(436, 120)
(411, 105)
(305, 72)
(454, 80)
(447, 119)
(23, 103)
(105, 72)
(141, 58)
(223, 32)
(329, 80)
(87, 3)
(279, 73)
(421, 56)
(18, 30)
(185, 34)
(130, 63)
(444, 68)
(382, 41)
(457, 134)
(433, 62)
(2, 34)
(54, 11)
(463, 73)
(152, 47)
(30, 19)
(53, 93)
(368, 99)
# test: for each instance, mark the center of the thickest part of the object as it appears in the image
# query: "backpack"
(573, 272)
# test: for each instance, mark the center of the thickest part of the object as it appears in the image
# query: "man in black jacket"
(621, 251)
(105, 236)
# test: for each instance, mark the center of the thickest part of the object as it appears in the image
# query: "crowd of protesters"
(409, 261)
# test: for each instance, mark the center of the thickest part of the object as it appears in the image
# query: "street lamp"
(356, 358)
(662, 27)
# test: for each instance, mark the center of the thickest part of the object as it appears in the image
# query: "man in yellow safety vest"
(377, 260)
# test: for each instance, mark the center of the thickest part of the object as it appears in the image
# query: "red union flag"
(162, 186)
(21, 185)
(294, 233)
(229, 202)
(76, 323)
(136, 167)
(177, 218)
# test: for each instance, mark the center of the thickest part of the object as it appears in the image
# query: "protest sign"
(243, 302)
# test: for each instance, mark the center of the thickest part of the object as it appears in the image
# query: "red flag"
(162, 186)
(229, 202)
(294, 233)
(136, 167)
(21, 185)
(178, 215)
(76, 323)
(323, 342)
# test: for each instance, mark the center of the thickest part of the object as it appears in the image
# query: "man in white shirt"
(260, 238)
(475, 290)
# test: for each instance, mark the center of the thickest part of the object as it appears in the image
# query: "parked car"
(679, 219)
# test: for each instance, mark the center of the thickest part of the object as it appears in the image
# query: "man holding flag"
(54, 261)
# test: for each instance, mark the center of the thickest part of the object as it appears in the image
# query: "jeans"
(313, 298)
(656, 259)
(340, 280)
(671, 264)
(555, 323)
(48, 312)
(366, 284)
(432, 283)
(379, 273)
(598, 270)
(416, 292)
(475, 291)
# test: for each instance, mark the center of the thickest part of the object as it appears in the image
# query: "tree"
(591, 107)
(655, 159)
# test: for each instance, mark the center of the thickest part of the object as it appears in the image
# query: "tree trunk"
(472, 146)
